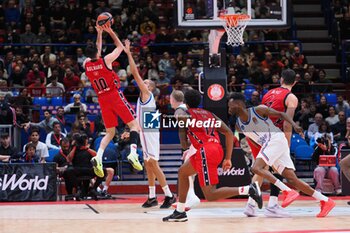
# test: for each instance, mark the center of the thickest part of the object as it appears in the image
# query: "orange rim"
(233, 20)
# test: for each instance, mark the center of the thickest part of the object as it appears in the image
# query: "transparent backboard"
(205, 13)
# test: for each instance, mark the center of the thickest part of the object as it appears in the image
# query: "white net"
(234, 26)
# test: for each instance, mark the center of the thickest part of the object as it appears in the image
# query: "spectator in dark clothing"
(17, 78)
(12, 13)
(62, 165)
(323, 107)
(23, 100)
(57, 17)
(298, 58)
(21, 118)
(303, 115)
(6, 117)
(324, 86)
(131, 93)
(60, 117)
(339, 129)
(7, 152)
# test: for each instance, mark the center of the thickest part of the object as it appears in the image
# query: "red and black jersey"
(199, 135)
(102, 79)
(276, 99)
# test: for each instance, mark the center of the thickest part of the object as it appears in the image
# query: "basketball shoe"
(250, 210)
(133, 159)
(255, 193)
(98, 167)
(326, 207)
(150, 202)
(276, 211)
(176, 217)
(290, 196)
(168, 201)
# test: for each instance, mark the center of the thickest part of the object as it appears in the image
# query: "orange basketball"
(104, 18)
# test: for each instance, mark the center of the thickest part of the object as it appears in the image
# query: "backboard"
(204, 14)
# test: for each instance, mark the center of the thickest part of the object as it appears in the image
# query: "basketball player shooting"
(255, 124)
(209, 154)
(112, 101)
(149, 139)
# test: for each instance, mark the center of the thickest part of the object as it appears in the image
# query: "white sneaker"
(276, 211)
(250, 210)
(192, 202)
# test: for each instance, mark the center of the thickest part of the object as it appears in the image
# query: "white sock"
(99, 189)
(133, 148)
(281, 185)
(191, 192)
(100, 153)
(251, 201)
(243, 190)
(105, 188)
(273, 201)
(167, 191)
(180, 207)
(319, 196)
(152, 191)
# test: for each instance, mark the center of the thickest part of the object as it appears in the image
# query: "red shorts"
(206, 162)
(254, 147)
(114, 105)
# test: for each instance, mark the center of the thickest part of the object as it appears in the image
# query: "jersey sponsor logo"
(11, 183)
(231, 172)
(216, 92)
(151, 120)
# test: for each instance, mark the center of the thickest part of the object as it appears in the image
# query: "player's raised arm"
(145, 93)
(99, 30)
(117, 51)
(291, 103)
(225, 130)
(265, 111)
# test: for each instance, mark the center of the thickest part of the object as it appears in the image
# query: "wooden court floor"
(125, 215)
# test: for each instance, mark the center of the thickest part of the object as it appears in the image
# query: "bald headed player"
(177, 103)
(149, 139)
(282, 100)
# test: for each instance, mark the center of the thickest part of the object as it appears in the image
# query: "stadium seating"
(248, 93)
(42, 101)
(57, 101)
(330, 97)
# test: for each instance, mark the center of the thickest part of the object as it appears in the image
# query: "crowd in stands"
(30, 72)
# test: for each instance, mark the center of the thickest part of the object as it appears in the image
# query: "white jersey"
(257, 128)
(274, 145)
(150, 137)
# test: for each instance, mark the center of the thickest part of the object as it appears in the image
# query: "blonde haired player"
(177, 103)
(149, 138)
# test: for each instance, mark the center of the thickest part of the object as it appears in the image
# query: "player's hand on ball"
(107, 28)
(99, 29)
(226, 164)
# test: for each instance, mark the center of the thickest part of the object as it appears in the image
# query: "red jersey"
(201, 127)
(103, 79)
(276, 99)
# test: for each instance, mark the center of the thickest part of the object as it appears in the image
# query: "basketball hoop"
(234, 25)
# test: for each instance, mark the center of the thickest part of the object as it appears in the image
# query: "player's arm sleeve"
(292, 104)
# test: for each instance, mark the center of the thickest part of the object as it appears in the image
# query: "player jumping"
(112, 101)
(207, 158)
(255, 124)
(149, 139)
(283, 100)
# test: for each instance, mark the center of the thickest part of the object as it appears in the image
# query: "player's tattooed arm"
(99, 30)
(145, 93)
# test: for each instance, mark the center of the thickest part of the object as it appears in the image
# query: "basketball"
(104, 18)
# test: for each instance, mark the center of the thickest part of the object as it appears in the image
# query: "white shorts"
(150, 144)
(276, 153)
